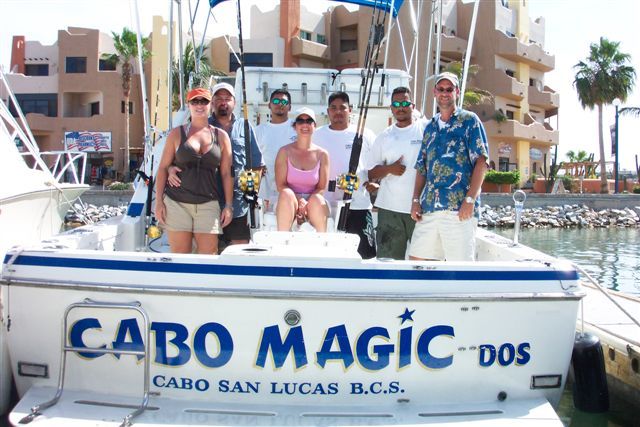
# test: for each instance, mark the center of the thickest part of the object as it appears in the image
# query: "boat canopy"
(378, 4)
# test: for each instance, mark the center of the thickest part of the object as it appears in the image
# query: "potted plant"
(500, 181)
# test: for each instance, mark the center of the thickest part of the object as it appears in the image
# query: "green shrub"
(567, 182)
(496, 177)
(636, 189)
(120, 186)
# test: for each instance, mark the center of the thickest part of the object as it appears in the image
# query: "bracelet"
(416, 200)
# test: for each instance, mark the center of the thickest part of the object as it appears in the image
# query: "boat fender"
(590, 392)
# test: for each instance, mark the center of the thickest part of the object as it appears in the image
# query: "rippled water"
(610, 256)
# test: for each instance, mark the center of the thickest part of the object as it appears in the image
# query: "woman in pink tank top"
(302, 174)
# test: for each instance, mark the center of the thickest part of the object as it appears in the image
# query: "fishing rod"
(349, 182)
(249, 180)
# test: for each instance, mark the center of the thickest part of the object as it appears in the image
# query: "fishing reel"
(249, 184)
(349, 183)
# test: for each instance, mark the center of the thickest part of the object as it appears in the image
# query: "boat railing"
(67, 166)
(64, 164)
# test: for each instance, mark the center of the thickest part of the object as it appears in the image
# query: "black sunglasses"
(398, 104)
(199, 101)
(445, 89)
(308, 121)
(278, 101)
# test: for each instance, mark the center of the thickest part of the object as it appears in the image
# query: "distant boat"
(33, 202)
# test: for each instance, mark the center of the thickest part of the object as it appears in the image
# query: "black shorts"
(238, 229)
(360, 222)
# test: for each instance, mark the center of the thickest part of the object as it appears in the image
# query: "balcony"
(453, 47)
(531, 54)
(501, 84)
(310, 50)
(512, 130)
(546, 98)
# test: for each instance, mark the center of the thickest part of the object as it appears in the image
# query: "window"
(106, 65)
(251, 60)
(95, 108)
(320, 38)
(510, 115)
(305, 35)
(36, 69)
(46, 104)
(76, 64)
(503, 164)
(122, 107)
(348, 45)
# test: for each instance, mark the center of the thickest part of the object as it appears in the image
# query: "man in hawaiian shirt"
(450, 170)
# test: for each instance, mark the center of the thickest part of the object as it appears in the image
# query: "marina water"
(612, 257)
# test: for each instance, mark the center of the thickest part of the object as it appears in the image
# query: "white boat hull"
(372, 336)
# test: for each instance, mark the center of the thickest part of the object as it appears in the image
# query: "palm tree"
(579, 157)
(472, 95)
(126, 52)
(604, 76)
(192, 76)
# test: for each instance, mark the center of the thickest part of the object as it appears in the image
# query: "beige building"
(70, 95)
(508, 47)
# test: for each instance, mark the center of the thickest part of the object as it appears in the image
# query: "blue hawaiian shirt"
(447, 157)
(239, 160)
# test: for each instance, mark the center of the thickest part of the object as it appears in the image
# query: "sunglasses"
(199, 101)
(398, 104)
(445, 89)
(278, 101)
(308, 121)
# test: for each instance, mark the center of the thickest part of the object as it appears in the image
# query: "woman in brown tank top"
(193, 211)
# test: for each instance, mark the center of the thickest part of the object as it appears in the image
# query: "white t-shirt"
(338, 144)
(396, 192)
(271, 137)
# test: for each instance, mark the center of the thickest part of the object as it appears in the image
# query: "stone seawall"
(534, 200)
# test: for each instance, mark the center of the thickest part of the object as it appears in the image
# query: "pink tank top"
(301, 181)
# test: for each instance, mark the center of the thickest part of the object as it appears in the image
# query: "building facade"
(67, 88)
(508, 48)
(73, 99)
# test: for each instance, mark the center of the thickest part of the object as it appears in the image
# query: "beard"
(222, 112)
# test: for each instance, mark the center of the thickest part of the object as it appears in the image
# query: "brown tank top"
(199, 183)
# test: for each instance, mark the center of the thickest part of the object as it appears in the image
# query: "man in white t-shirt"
(337, 138)
(271, 136)
(391, 161)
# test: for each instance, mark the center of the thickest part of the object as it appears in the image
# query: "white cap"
(225, 86)
(305, 110)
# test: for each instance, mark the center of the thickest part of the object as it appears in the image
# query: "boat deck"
(82, 409)
(619, 337)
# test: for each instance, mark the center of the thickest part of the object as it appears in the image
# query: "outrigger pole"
(349, 182)
(249, 181)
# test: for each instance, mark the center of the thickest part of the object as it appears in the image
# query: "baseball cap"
(305, 110)
(199, 92)
(448, 76)
(225, 86)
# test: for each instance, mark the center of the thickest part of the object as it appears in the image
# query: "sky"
(571, 26)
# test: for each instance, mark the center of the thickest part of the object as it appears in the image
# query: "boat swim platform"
(81, 409)
(619, 338)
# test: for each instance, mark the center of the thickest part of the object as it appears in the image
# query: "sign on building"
(87, 141)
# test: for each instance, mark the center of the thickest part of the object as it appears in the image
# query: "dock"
(619, 336)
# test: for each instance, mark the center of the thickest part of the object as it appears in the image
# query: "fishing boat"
(105, 327)
(33, 199)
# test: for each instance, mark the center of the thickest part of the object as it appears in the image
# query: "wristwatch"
(470, 199)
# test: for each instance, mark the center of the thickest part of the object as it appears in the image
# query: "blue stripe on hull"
(292, 271)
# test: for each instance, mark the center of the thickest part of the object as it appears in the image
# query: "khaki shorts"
(441, 235)
(195, 218)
